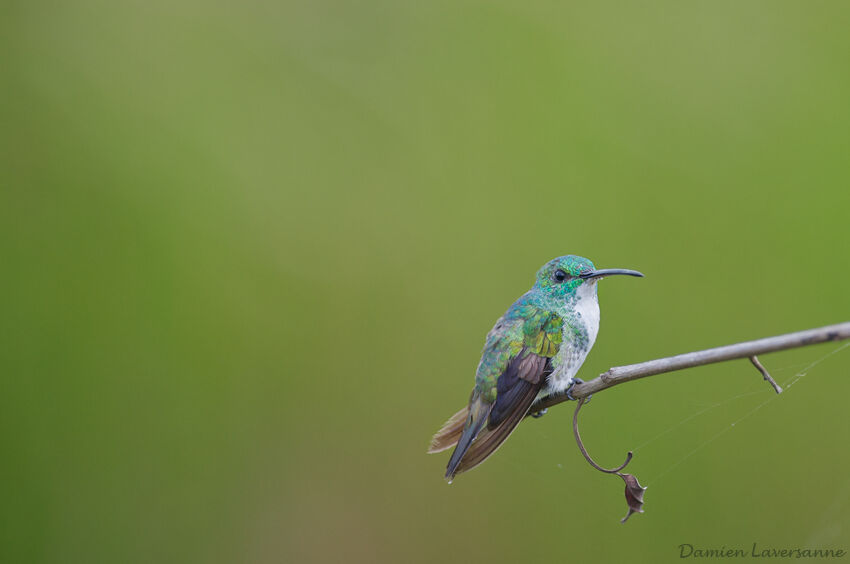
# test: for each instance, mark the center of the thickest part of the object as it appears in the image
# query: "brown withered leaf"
(634, 495)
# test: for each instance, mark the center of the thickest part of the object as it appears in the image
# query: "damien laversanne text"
(755, 551)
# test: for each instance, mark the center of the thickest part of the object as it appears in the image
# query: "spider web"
(790, 381)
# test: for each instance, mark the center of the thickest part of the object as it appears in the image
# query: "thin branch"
(748, 349)
(755, 360)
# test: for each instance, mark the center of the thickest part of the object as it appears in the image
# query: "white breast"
(586, 311)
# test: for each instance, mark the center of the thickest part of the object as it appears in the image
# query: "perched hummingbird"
(534, 351)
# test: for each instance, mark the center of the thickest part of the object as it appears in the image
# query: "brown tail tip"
(449, 433)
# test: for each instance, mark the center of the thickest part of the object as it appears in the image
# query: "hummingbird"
(533, 351)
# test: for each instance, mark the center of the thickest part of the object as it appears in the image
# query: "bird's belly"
(562, 377)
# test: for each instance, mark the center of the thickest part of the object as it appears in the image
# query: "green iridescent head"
(561, 278)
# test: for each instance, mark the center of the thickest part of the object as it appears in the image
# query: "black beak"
(610, 272)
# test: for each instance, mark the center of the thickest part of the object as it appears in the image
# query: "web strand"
(791, 381)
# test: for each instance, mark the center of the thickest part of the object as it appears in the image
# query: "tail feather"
(475, 444)
(479, 411)
(450, 432)
(489, 440)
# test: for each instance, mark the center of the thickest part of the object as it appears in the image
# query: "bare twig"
(754, 359)
(748, 349)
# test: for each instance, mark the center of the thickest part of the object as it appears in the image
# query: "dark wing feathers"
(527, 384)
(517, 388)
(523, 375)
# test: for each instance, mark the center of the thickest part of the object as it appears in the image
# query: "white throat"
(587, 306)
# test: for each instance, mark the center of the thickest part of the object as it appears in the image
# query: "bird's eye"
(559, 275)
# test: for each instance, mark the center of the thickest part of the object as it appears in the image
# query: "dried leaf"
(634, 495)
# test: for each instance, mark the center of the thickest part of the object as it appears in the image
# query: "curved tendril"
(584, 450)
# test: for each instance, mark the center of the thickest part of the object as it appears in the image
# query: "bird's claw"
(569, 391)
(540, 413)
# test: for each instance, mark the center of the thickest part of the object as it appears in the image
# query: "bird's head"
(562, 277)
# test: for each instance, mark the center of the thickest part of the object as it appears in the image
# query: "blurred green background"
(250, 252)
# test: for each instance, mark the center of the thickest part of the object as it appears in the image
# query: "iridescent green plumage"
(525, 325)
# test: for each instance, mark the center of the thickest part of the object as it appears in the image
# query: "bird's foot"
(569, 391)
(540, 413)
